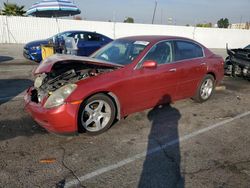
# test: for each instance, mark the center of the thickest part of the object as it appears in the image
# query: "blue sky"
(181, 11)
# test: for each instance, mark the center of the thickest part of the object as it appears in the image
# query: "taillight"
(222, 62)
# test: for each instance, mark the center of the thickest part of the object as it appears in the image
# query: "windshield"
(121, 52)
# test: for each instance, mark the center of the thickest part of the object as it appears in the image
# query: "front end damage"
(237, 64)
(63, 74)
(55, 80)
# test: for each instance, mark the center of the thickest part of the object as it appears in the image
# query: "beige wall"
(25, 29)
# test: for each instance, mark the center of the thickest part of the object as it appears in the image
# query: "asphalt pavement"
(184, 144)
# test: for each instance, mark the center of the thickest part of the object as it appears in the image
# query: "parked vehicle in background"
(247, 47)
(238, 62)
(128, 75)
(86, 42)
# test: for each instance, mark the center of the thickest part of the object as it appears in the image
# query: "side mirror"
(149, 64)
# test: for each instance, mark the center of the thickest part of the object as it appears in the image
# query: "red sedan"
(72, 94)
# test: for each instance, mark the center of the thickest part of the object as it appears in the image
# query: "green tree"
(223, 23)
(204, 25)
(11, 9)
(209, 24)
(129, 20)
(199, 25)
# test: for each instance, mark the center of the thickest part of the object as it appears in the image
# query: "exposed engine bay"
(63, 73)
(237, 64)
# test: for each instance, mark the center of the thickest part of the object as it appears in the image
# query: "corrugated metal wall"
(25, 29)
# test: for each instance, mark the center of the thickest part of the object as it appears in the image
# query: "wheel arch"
(212, 74)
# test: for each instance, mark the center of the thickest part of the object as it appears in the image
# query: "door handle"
(172, 70)
(203, 64)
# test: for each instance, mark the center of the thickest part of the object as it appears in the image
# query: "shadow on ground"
(162, 168)
(10, 88)
(13, 127)
(24, 126)
(5, 58)
(235, 84)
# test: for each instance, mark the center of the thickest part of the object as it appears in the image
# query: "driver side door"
(151, 86)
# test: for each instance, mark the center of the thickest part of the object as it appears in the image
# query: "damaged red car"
(74, 94)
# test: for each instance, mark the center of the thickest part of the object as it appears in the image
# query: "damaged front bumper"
(238, 67)
(35, 56)
(238, 63)
(60, 120)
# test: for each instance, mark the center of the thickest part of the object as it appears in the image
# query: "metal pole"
(161, 16)
(240, 22)
(153, 19)
(114, 24)
(7, 30)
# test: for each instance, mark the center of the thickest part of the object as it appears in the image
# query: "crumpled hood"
(47, 64)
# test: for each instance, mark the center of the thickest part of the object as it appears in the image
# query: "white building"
(240, 26)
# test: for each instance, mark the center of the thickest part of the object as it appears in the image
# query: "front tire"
(205, 89)
(96, 114)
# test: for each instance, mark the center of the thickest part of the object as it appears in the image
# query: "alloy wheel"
(206, 89)
(96, 115)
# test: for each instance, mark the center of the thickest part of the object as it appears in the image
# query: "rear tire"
(205, 89)
(96, 114)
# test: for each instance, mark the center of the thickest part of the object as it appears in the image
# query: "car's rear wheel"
(205, 89)
(96, 114)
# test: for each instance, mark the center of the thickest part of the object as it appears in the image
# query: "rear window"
(187, 50)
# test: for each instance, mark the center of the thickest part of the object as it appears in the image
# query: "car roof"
(75, 31)
(154, 38)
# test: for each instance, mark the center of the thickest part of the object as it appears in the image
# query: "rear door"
(191, 63)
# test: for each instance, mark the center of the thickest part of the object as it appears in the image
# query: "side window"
(76, 36)
(93, 37)
(187, 50)
(103, 39)
(161, 53)
(81, 36)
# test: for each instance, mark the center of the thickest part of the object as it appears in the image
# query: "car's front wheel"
(205, 89)
(96, 114)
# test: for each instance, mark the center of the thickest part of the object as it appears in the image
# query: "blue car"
(87, 43)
